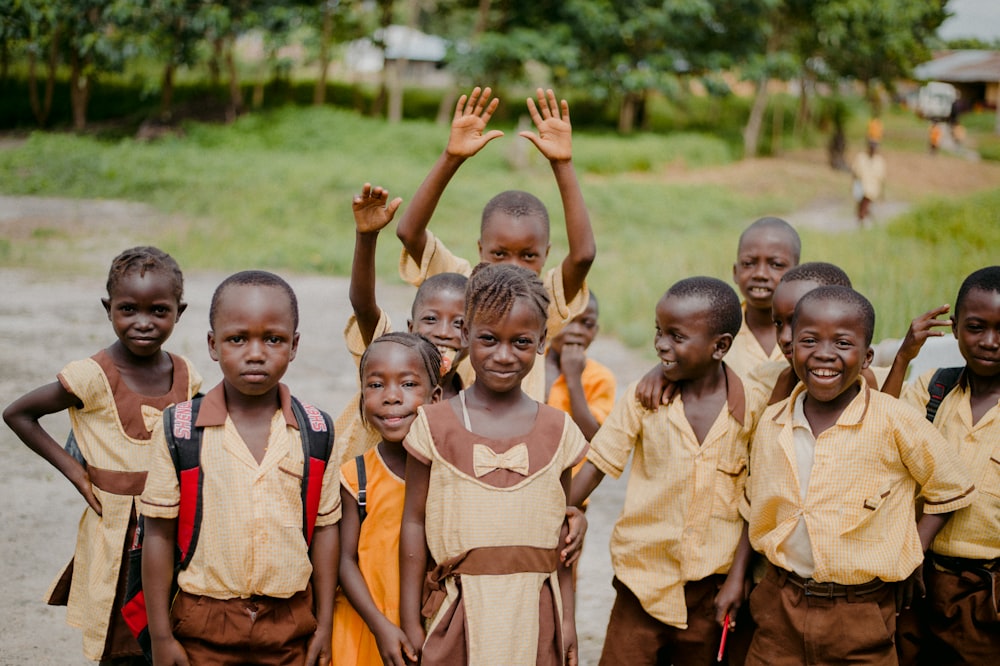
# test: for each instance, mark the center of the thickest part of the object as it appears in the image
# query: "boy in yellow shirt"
(829, 500)
(677, 535)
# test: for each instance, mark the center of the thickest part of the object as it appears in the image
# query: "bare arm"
(733, 592)
(567, 591)
(325, 557)
(158, 547)
(555, 141)
(472, 113)
(23, 417)
(651, 387)
(413, 551)
(390, 639)
(584, 483)
(572, 360)
(920, 329)
(371, 215)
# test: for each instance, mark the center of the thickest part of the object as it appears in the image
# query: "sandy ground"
(48, 318)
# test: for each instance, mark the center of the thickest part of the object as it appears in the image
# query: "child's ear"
(211, 346)
(409, 326)
(479, 248)
(295, 347)
(869, 355)
(106, 302)
(464, 341)
(437, 394)
(547, 249)
(181, 307)
(722, 346)
(543, 341)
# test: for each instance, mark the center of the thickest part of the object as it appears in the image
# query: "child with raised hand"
(515, 225)
(113, 398)
(399, 373)
(487, 482)
(835, 469)
(766, 250)
(959, 620)
(674, 548)
(259, 587)
(436, 313)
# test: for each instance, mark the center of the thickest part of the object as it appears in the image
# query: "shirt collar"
(853, 414)
(213, 411)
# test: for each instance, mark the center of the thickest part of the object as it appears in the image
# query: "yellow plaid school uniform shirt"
(251, 540)
(745, 354)
(681, 517)
(972, 532)
(438, 259)
(859, 507)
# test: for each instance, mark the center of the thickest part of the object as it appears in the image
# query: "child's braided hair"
(493, 289)
(145, 258)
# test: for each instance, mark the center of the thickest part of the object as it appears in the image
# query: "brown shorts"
(258, 630)
(961, 624)
(635, 637)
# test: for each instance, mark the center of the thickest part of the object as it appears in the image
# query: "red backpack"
(184, 443)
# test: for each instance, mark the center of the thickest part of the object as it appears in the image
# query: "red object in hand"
(722, 643)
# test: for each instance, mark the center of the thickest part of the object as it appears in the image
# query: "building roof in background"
(965, 66)
(401, 43)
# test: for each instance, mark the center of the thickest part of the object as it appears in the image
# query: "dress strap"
(465, 411)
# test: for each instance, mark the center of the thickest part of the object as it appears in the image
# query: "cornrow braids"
(258, 279)
(494, 288)
(142, 259)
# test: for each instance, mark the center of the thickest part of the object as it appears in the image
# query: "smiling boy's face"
(829, 349)
(764, 255)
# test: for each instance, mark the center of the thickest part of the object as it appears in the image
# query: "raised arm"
(920, 329)
(371, 215)
(572, 360)
(555, 141)
(23, 416)
(413, 551)
(472, 113)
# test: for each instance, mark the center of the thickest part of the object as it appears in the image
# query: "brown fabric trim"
(129, 404)
(455, 444)
(60, 591)
(953, 499)
(783, 386)
(117, 483)
(486, 561)
(119, 643)
(213, 410)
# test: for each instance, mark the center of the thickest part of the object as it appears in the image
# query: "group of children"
(769, 462)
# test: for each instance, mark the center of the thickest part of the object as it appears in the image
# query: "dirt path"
(51, 315)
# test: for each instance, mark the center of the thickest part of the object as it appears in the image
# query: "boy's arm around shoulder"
(23, 415)
(611, 446)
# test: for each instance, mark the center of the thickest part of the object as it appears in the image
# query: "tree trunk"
(214, 69)
(751, 133)
(394, 79)
(626, 113)
(235, 94)
(4, 61)
(777, 126)
(167, 91)
(801, 129)
(36, 105)
(482, 17)
(325, 36)
(79, 91)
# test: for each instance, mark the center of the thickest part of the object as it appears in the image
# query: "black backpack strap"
(941, 384)
(184, 444)
(359, 461)
(316, 429)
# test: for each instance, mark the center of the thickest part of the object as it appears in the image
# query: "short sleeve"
(418, 441)
(86, 380)
(161, 496)
(329, 498)
(561, 311)
(349, 477)
(574, 445)
(194, 378)
(354, 340)
(436, 259)
(613, 444)
(917, 393)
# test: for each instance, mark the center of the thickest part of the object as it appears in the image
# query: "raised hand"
(922, 328)
(472, 114)
(555, 134)
(371, 212)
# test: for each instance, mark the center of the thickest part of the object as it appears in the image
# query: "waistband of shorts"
(814, 588)
(956, 565)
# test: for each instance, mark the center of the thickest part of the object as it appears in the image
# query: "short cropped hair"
(515, 203)
(424, 348)
(142, 259)
(848, 297)
(494, 288)
(255, 279)
(435, 284)
(985, 279)
(820, 272)
(779, 224)
(725, 313)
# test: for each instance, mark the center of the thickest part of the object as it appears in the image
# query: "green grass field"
(274, 189)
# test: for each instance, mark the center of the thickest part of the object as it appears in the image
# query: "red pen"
(722, 643)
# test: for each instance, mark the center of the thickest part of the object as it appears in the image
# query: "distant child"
(961, 623)
(674, 545)
(436, 313)
(487, 483)
(767, 248)
(515, 225)
(113, 398)
(254, 591)
(869, 177)
(399, 373)
(834, 470)
(576, 383)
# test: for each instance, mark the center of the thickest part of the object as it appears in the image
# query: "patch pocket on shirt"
(857, 521)
(729, 482)
(290, 491)
(989, 483)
